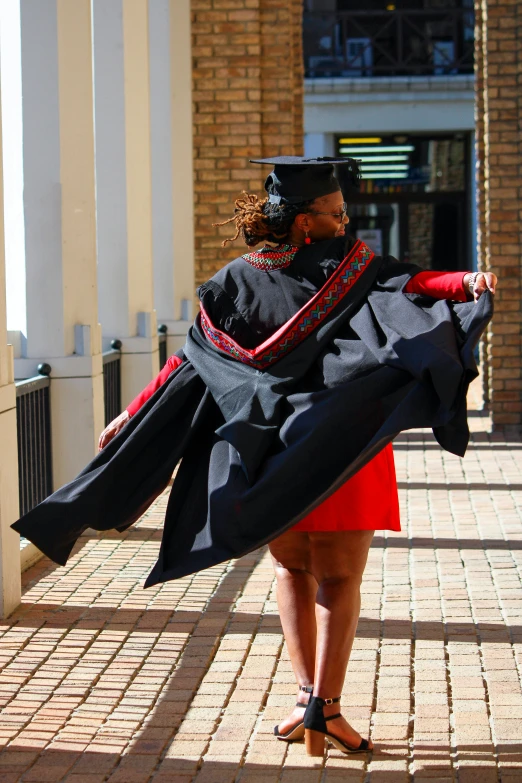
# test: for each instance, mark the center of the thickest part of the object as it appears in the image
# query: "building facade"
(248, 95)
(428, 95)
(394, 87)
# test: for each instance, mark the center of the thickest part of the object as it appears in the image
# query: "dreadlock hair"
(259, 220)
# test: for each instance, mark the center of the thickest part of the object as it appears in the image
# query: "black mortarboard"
(297, 179)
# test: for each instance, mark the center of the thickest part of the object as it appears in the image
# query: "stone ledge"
(456, 83)
(397, 96)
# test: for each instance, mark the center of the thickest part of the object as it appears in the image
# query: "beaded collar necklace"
(268, 258)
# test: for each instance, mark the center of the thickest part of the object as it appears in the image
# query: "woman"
(320, 561)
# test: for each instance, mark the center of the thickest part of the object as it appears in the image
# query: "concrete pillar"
(182, 158)
(172, 166)
(123, 187)
(10, 582)
(59, 224)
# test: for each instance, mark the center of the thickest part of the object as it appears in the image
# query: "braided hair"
(259, 220)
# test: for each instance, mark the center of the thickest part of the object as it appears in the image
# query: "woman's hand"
(485, 281)
(112, 429)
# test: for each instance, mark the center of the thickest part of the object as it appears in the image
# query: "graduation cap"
(296, 179)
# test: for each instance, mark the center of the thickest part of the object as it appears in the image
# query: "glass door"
(378, 226)
(436, 234)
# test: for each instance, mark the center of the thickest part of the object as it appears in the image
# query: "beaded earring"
(308, 241)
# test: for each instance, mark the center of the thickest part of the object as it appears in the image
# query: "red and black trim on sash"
(305, 321)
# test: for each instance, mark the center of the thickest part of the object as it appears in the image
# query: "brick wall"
(248, 102)
(499, 153)
(482, 242)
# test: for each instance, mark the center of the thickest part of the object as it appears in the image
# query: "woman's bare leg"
(338, 560)
(296, 593)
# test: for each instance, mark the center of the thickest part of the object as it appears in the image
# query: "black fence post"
(112, 381)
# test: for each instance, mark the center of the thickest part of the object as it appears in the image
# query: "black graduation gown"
(329, 363)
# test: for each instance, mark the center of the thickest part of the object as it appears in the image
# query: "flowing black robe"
(293, 380)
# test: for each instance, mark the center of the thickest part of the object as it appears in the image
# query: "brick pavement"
(103, 681)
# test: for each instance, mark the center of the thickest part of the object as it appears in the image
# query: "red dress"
(348, 508)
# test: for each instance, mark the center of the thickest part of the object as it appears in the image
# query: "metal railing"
(33, 420)
(408, 42)
(162, 340)
(112, 381)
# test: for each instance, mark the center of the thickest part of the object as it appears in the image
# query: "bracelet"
(472, 281)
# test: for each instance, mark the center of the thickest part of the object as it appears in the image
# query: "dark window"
(417, 208)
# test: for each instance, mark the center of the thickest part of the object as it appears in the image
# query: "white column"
(182, 156)
(172, 171)
(60, 227)
(182, 293)
(10, 56)
(10, 582)
(123, 186)
(161, 160)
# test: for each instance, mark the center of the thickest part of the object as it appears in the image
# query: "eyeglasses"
(340, 215)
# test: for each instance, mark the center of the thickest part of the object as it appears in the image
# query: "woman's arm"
(451, 285)
(112, 429)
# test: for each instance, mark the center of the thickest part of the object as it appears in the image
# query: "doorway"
(414, 200)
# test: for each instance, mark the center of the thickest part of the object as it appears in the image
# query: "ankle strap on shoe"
(306, 688)
(333, 717)
(329, 701)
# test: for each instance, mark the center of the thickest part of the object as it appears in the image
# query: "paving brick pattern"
(102, 681)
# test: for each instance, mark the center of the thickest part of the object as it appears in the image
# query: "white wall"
(413, 105)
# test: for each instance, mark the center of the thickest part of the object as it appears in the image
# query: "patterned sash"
(303, 322)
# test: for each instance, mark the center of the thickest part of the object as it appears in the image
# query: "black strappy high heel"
(316, 729)
(296, 732)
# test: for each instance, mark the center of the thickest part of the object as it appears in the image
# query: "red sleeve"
(172, 363)
(439, 285)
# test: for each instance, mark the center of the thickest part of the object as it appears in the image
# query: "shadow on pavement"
(157, 753)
